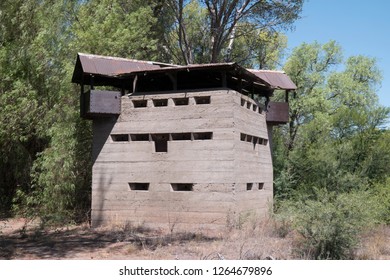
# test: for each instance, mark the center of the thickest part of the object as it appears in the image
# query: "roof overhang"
(107, 67)
(277, 79)
(114, 71)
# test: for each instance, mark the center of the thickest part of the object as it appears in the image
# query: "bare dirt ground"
(20, 239)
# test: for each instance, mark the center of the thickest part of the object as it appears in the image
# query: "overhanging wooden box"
(100, 103)
(277, 113)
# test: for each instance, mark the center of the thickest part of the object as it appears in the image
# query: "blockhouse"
(179, 146)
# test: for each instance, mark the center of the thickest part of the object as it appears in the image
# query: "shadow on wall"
(102, 128)
(98, 198)
(101, 132)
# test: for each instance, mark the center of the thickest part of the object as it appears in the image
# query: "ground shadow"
(63, 244)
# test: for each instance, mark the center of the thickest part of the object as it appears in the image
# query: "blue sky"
(360, 27)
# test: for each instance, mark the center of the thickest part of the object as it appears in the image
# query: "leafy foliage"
(331, 182)
(45, 168)
(207, 31)
(330, 226)
(116, 28)
(381, 193)
(336, 124)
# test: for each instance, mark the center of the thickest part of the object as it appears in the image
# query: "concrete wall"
(219, 169)
(252, 155)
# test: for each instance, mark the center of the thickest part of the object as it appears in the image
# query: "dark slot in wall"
(139, 137)
(120, 137)
(253, 139)
(160, 102)
(202, 99)
(182, 187)
(160, 142)
(139, 186)
(180, 101)
(140, 103)
(161, 139)
(203, 136)
(181, 136)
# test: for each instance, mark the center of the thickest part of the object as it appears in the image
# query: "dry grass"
(252, 240)
(375, 244)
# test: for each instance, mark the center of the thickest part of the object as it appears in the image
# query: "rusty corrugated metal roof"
(110, 66)
(115, 67)
(190, 67)
(277, 79)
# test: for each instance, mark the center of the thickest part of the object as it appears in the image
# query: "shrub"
(381, 192)
(329, 227)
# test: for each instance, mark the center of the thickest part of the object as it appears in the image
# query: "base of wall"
(167, 221)
(201, 212)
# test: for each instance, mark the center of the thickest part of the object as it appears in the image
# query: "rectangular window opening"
(254, 108)
(242, 102)
(182, 187)
(120, 137)
(181, 136)
(160, 102)
(243, 137)
(139, 137)
(139, 186)
(180, 101)
(263, 141)
(249, 138)
(203, 136)
(140, 103)
(249, 186)
(248, 105)
(160, 142)
(261, 186)
(202, 99)
(255, 141)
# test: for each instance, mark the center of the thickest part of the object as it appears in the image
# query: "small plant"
(282, 224)
(231, 220)
(329, 227)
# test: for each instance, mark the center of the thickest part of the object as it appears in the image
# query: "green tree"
(25, 82)
(187, 34)
(258, 49)
(335, 123)
(46, 162)
(117, 28)
(38, 110)
(221, 22)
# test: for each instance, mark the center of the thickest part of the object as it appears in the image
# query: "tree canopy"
(336, 122)
(207, 30)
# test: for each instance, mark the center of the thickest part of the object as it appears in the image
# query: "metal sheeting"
(276, 79)
(112, 67)
(172, 68)
(109, 66)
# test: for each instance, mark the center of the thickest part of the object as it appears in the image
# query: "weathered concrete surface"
(219, 168)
